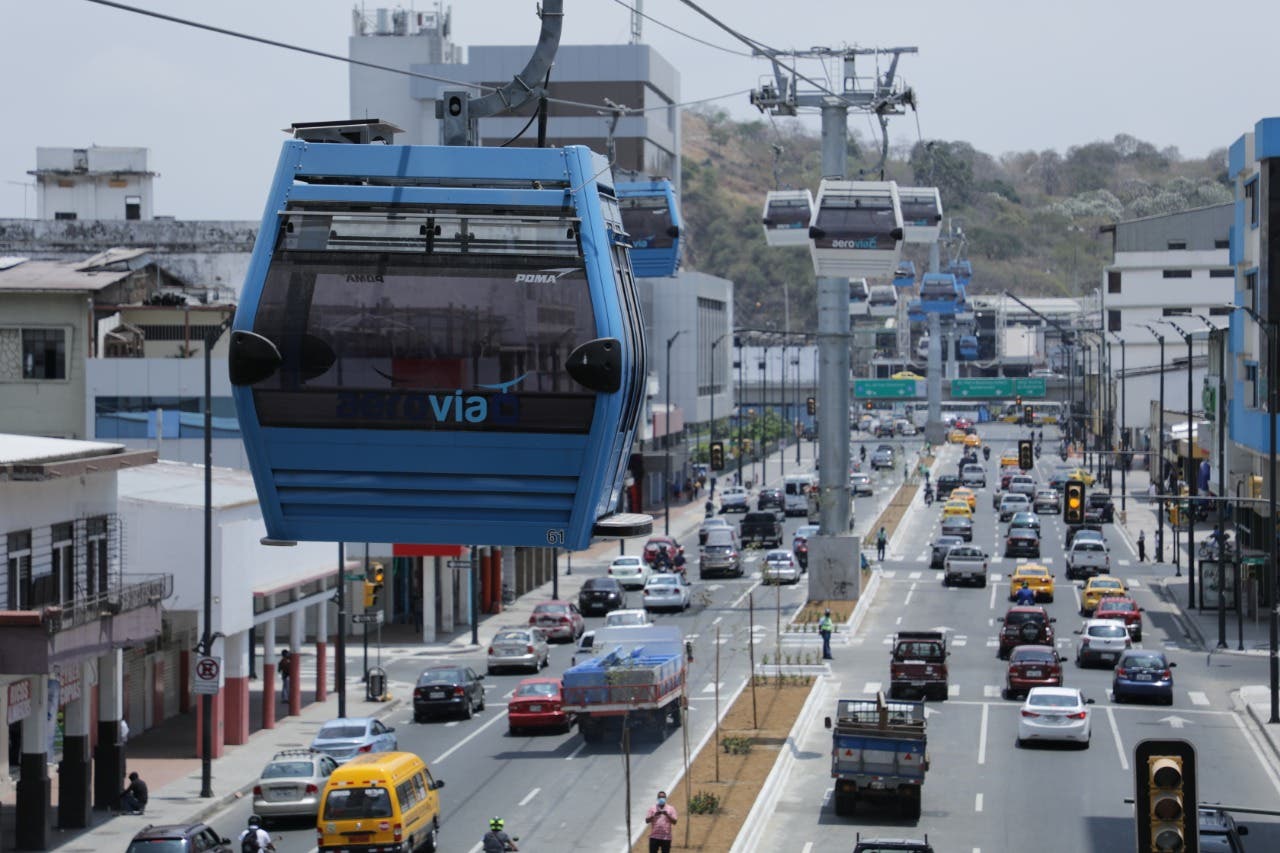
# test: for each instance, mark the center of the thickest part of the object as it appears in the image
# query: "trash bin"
(376, 683)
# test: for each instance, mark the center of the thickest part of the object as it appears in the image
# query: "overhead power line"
(678, 32)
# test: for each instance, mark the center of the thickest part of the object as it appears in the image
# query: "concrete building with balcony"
(1171, 267)
(80, 615)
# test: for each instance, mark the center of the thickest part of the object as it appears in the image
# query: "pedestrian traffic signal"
(1026, 455)
(373, 578)
(1165, 796)
(717, 456)
(370, 594)
(1073, 504)
(811, 405)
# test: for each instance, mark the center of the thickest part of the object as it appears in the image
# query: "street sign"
(966, 389)
(206, 675)
(1030, 386)
(349, 576)
(891, 389)
(458, 565)
(372, 618)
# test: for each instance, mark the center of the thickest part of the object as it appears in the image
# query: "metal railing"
(132, 592)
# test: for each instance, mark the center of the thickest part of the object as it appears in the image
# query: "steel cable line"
(666, 26)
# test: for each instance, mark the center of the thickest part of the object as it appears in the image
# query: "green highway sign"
(965, 389)
(892, 389)
(1030, 387)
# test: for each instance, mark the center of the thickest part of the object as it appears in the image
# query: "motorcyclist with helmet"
(1025, 595)
(495, 840)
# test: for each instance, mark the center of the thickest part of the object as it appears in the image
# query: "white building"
(95, 183)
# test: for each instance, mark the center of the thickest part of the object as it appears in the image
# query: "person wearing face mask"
(661, 819)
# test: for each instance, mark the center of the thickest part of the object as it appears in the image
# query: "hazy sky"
(1004, 75)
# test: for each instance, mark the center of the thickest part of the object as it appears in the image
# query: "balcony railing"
(133, 591)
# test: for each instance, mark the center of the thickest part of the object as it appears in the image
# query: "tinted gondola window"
(789, 213)
(867, 226)
(919, 212)
(647, 220)
(403, 340)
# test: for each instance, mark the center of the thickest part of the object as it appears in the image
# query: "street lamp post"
(1159, 473)
(714, 387)
(1220, 423)
(1124, 432)
(764, 415)
(1191, 473)
(782, 409)
(737, 341)
(666, 485)
(796, 389)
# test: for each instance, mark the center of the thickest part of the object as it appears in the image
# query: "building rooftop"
(181, 484)
(35, 457)
(60, 276)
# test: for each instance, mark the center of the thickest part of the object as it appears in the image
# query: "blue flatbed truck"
(879, 751)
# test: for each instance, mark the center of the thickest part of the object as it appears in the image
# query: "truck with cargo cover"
(636, 678)
(879, 752)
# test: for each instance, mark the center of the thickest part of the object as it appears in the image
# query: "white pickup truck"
(1088, 557)
(965, 563)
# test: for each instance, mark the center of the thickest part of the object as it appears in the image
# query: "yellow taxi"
(1082, 475)
(972, 440)
(956, 436)
(906, 374)
(957, 507)
(964, 493)
(1035, 576)
(1097, 587)
(1009, 459)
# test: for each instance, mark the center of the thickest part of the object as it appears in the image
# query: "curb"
(1261, 723)
(1189, 627)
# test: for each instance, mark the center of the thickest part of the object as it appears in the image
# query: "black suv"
(178, 838)
(1099, 509)
(771, 498)
(944, 485)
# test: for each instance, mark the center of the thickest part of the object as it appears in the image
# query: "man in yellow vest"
(825, 627)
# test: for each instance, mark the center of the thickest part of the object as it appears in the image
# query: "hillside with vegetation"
(1030, 219)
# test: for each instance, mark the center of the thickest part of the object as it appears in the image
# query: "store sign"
(19, 700)
(69, 684)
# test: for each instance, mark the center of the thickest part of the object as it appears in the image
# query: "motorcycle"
(1037, 451)
(928, 495)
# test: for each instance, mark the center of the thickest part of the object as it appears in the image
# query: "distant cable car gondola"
(883, 301)
(962, 270)
(651, 217)
(915, 311)
(921, 214)
(439, 345)
(905, 274)
(857, 229)
(967, 348)
(859, 297)
(940, 293)
(787, 214)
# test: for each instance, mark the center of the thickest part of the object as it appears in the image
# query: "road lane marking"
(977, 802)
(982, 736)
(1198, 697)
(898, 621)
(529, 796)
(953, 690)
(716, 621)
(808, 846)
(457, 746)
(906, 601)
(750, 589)
(711, 688)
(1075, 593)
(871, 687)
(1115, 735)
(992, 604)
(915, 575)
(960, 640)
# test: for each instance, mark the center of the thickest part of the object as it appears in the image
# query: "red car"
(1032, 666)
(1124, 609)
(537, 704)
(656, 544)
(560, 619)
(962, 423)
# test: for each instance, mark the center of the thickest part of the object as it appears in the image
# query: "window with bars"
(19, 568)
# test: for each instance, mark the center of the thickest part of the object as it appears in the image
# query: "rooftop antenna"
(637, 20)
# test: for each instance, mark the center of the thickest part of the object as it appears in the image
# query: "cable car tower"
(883, 95)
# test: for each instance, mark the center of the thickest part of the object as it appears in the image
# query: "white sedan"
(631, 572)
(667, 591)
(780, 566)
(1055, 713)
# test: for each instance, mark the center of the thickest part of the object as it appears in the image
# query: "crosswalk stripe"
(915, 575)
(960, 640)
(1123, 562)
(871, 687)
(991, 691)
(1198, 697)
(953, 690)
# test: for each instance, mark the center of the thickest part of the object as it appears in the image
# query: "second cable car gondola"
(440, 345)
(967, 348)
(940, 293)
(787, 214)
(651, 217)
(921, 214)
(905, 274)
(883, 300)
(856, 229)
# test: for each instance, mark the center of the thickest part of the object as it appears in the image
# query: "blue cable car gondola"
(440, 345)
(915, 311)
(967, 348)
(921, 214)
(651, 217)
(905, 275)
(962, 270)
(940, 293)
(857, 229)
(787, 214)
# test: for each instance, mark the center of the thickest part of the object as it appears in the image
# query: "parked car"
(447, 690)
(780, 567)
(1143, 673)
(1032, 666)
(1124, 609)
(1102, 641)
(180, 838)
(733, 499)
(560, 619)
(1087, 558)
(290, 785)
(1047, 500)
(938, 550)
(537, 705)
(1022, 542)
(631, 572)
(624, 618)
(667, 592)
(1025, 625)
(519, 647)
(771, 499)
(958, 525)
(1055, 714)
(656, 545)
(1096, 588)
(601, 595)
(347, 737)
(861, 484)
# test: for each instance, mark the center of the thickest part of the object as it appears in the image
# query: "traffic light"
(811, 405)
(373, 578)
(1165, 796)
(1028, 415)
(717, 456)
(1026, 455)
(370, 594)
(1073, 503)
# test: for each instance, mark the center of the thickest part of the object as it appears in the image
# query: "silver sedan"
(667, 591)
(519, 648)
(779, 567)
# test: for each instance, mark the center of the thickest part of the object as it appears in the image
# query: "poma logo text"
(550, 276)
